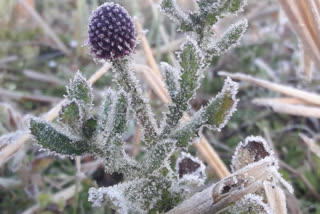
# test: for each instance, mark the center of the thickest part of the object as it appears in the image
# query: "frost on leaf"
(171, 8)
(113, 122)
(106, 106)
(79, 89)
(191, 170)
(171, 77)
(54, 139)
(190, 61)
(134, 197)
(71, 115)
(159, 154)
(250, 203)
(229, 39)
(252, 150)
(215, 115)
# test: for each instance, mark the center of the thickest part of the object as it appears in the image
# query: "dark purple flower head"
(112, 33)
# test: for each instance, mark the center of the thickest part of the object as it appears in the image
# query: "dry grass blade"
(146, 47)
(8, 151)
(276, 198)
(305, 21)
(311, 144)
(47, 30)
(303, 95)
(292, 109)
(154, 79)
(287, 100)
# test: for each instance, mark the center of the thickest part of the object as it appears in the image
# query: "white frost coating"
(172, 77)
(80, 79)
(237, 154)
(10, 138)
(198, 51)
(228, 87)
(230, 38)
(175, 13)
(197, 177)
(251, 202)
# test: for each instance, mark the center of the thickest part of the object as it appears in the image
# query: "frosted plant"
(151, 184)
(255, 185)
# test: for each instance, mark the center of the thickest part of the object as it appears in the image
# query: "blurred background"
(42, 46)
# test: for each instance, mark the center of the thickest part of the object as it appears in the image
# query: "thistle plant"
(166, 173)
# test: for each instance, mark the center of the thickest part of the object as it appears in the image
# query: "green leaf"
(159, 154)
(211, 10)
(56, 140)
(106, 106)
(214, 115)
(71, 115)
(80, 89)
(229, 39)
(171, 77)
(89, 127)
(190, 63)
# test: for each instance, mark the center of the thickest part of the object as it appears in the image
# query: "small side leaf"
(106, 106)
(56, 140)
(214, 116)
(71, 115)
(190, 63)
(80, 89)
(229, 39)
(171, 77)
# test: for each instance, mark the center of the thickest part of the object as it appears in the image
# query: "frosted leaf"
(250, 203)
(134, 197)
(115, 123)
(190, 61)
(214, 116)
(53, 138)
(80, 89)
(115, 159)
(191, 170)
(159, 155)
(171, 8)
(229, 39)
(171, 77)
(106, 105)
(252, 150)
(71, 115)
(126, 79)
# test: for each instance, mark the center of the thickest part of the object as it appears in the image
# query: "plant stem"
(127, 81)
